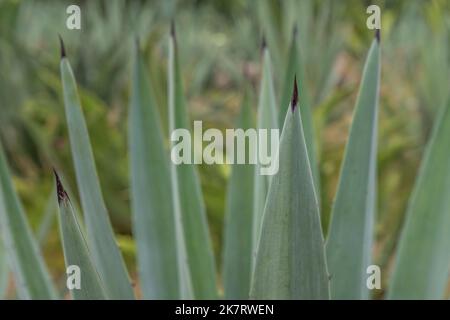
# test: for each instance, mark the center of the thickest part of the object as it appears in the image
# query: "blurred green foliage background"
(219, 45)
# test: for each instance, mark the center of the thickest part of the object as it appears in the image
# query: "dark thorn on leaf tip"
(62, 194)
(263, 43)
(63, 49)
(294, 100)
(377, 35)
(172, 28)
(295, 31)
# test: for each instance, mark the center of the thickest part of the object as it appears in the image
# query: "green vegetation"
(357, 186)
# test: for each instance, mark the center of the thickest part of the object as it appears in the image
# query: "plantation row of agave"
(274, 247)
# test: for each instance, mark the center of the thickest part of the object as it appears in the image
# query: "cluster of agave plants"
(274, 246)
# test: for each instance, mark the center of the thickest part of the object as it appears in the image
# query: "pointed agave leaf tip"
(263, 43)
(377, 35)
(62, 194)
(172, 28)
(63, 49)
(294, 100)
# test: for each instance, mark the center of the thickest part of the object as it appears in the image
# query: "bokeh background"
(219, 44)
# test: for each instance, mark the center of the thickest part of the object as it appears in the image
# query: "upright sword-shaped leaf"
(423, 259)
(349, 244)
(237, 251)
(76, 253)
(187, 191)
(4, 271)
(30, 273)
(151, 194)
(107, 257)
(290, 261)
(267, 119)
(294, 69)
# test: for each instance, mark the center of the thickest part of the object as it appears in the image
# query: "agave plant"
(274, 245)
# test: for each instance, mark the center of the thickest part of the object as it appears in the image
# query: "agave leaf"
(187, 191)
(237, 256)
(107, 257)
(290, 259)
(151, 195)
(294, 69)
(349, 244)
(4, 271)
(269, 14)
(32, 278)
(423, 259)
(76, 252)
(267, 119)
